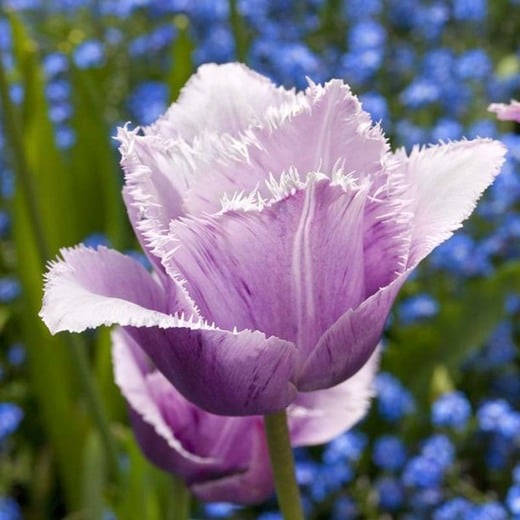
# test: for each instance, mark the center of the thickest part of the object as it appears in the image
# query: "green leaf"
(182, 49)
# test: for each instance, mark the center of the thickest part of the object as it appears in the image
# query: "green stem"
(79, 358)
(180, 501)
(282, 462)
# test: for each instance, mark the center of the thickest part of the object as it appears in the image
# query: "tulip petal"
(320, 416)
(252, 486)
(242, 373)
(155, 436)
(505, 112)
(323, 131)
(300, 284)
(219, 99)
(348, 344)
(445, 183)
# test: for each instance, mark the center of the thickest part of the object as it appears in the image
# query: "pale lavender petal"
(89, 288)
(320, 416)
(252, 486)
(322, 132)
(302, 283)
(348, 344)
(445, 183)
(220, 99)
(505, 112)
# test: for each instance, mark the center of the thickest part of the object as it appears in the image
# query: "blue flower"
(513, 499)
(489, 511)
(10, 289)
(447, 129)
(420, 93)
(348, 446)
(394, 401)
(344, 509)
(9, 509)
(439, 449)
(470, 10)
(389, 453)
(55, 63)
(88, 54)
(219, 509)
(366, 35)
(451, 409)
(375, 105)
(422, 472)
(10, 417)
(148, 101)
(473, 64)
(457, 507)
(418, 307)
(16, 354)
(390, 493)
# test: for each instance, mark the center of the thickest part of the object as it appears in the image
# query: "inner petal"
(289, 270)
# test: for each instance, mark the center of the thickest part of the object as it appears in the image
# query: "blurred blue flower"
(390, 493)
(430, 20)
(439, 449)
(418, 307)
(55, 63)
(366, 34)
(5, 223)
(473, 64)
(58, 90)
(454, 508)
(95, 240)
(348, 446)
(393, 400)
(344, 508)
(489, 511)
(470, 10)
(219, 509)
(65, 137)
(513, 499)
(420, 93)
(452, 410)
(10, 418)
(461, 256)
(447, 129)
(16, 354)
(422, 472)
(10, 289)
(482, 128)
(497, 416)
(88, 54)
(148, 101)
(9, 509)
(359, 67)
(375, 105)
(437, 65)
(389, 453)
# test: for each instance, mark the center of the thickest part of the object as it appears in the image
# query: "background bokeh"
(442, 439)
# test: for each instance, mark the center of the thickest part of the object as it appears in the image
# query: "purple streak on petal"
(510, 112)
(445, 183)
(320, 132)
(347, 345)
(300, 283)
(320, 416)
(223, 372)
(220, 99)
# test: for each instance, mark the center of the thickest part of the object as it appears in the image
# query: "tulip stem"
(282, 462)
(180, 500)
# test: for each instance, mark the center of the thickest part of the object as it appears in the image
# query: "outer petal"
(252, 486)
(320, 416)
(505, 112)
(224, 372)
(445, 183)
(289, 269)
(323, 131)
(348, 344)
(238, 467)
(155, 436)
(91, 287)
(220, 99)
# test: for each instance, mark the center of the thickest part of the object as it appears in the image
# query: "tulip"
(510, 112)
(280, 227)
(224, 458)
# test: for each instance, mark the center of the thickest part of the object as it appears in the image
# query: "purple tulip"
(505, 112)
(225, 458)
(280, 227)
